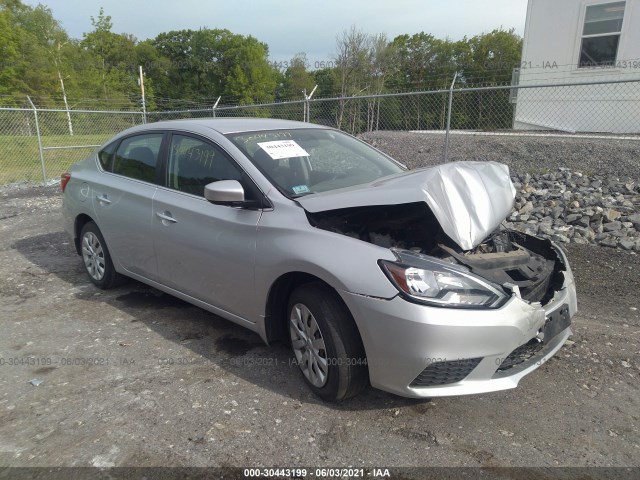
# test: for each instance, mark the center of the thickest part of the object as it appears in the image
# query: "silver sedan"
(404, 280)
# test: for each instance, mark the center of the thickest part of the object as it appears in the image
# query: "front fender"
(286, 242)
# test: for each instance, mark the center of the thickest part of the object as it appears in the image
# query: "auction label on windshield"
(283, 149)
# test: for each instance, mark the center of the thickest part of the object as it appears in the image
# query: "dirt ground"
(133, 377)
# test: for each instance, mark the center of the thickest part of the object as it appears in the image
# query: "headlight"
(426, 280)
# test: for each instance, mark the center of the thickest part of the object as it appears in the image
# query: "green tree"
(326, 80)
(112, 56)
(490, 58)
(297, 79)
(212, 62)
(10, 80)
(423, 62)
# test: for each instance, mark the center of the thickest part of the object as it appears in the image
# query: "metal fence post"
(306, 105)
(35, 114)
(144, 101)
(446, 135)
(213, 109)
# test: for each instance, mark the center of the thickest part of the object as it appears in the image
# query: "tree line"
(38, 58)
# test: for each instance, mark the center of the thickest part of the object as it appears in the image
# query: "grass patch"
(20, 157)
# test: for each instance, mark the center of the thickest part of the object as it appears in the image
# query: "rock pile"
(570, 207)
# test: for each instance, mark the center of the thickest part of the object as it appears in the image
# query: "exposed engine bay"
(516, 261)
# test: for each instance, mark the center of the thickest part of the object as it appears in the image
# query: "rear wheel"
(326, 343)
(96, 258)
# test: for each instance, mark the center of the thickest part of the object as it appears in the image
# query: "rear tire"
(96, 258)
(326, 343)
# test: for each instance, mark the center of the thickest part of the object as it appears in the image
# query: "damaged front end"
(518, 292)
(451, 214)
(509, 297)
(510, 262)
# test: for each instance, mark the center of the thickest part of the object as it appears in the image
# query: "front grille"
(521, 354)
(443, 373)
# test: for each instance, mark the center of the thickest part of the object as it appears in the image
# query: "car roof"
(224, 125)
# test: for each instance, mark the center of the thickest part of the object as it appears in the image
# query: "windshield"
(306, 161)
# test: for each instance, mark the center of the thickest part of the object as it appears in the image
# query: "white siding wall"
(552, 40)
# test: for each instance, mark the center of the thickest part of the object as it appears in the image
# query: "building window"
(601, 34)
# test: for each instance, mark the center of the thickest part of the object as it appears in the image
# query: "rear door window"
(137, 157)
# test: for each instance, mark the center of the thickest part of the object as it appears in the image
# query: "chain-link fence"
(40, 144)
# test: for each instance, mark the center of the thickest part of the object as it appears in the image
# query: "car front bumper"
(420, 351)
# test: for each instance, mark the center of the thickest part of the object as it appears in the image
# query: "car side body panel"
(122, 209)
(207, 251)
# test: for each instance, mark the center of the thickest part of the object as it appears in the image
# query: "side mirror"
(224, 192)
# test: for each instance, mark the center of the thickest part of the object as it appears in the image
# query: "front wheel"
(326, 343)
(96, 257)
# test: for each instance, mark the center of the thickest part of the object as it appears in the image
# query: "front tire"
(96, 258)
(326, 343)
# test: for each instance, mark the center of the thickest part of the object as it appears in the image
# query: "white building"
(573, 41)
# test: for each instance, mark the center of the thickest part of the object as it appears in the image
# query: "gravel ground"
(170, 384)
(523, 154)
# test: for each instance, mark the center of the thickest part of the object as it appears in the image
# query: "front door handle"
(103, 199)
(165, 217)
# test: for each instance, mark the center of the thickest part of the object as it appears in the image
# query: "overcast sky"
(291, 26)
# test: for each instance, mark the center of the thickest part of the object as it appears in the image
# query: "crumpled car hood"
(469, 199)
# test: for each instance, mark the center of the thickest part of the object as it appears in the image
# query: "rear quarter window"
(105, 156)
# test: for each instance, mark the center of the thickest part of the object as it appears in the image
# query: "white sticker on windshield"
(283, 149)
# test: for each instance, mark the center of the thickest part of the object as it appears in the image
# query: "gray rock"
(573, 218)
(560, 238)
(611, 215)
(545, 229)
(612, 226)
(556, 212)
(571, 207)
(584, 221)
(609, 242)
(526, 208)
(627, 243)
(581, 231)
(635, 219)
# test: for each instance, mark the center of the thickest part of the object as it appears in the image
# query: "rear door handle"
(103, 199)
(166, 216)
